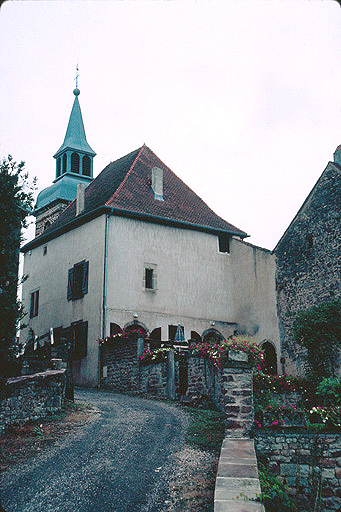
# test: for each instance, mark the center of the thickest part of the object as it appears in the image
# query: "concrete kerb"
(237, 482)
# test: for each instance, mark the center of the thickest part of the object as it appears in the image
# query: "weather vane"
(77, 75)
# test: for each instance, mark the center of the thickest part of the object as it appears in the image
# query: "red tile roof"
(126, 186)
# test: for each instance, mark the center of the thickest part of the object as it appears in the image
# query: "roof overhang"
(154, 219)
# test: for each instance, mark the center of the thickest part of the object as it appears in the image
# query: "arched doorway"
(269, 365)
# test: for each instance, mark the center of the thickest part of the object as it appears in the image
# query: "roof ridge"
(119, 188)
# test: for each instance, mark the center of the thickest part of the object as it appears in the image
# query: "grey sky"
(242, 100)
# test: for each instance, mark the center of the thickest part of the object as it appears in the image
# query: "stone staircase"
(237, 483)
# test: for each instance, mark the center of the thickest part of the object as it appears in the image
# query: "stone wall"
(31, 397)
(307, 257)
(310, 464)
(120, 367)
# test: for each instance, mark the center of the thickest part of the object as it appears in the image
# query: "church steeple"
(74, 165)
(75, 156)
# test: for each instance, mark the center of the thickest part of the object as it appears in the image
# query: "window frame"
(34, 303)
(150, 277)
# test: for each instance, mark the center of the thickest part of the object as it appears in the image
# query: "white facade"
(194, 284)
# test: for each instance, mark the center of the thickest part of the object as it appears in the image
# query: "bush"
(329, 391)
(275, 494)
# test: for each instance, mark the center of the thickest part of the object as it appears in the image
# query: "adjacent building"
(308, 258)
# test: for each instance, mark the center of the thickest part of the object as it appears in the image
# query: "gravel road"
(121, 461)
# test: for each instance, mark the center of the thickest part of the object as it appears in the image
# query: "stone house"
(308, 263)
(136, 246)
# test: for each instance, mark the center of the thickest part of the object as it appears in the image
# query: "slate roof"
(125, 186)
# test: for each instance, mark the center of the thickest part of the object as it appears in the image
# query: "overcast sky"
(242, 100)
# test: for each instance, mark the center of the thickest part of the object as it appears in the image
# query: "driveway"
(119, 462)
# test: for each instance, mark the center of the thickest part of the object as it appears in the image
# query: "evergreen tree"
(16, 201)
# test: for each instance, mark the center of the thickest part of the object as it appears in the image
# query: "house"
(136, 246)
(308, 257)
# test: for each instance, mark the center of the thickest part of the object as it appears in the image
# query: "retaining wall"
(310, 464)
(30, 397)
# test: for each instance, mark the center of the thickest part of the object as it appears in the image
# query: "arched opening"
(115, 329)
(86, 166)
(135, 329)
(75, 163)
(155, 338)
(195, 337)
(58, 166)
(212, 336)
(64, 163)
(269, 364)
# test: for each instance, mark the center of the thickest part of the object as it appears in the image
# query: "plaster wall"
(192, 277)
(49, 274)
(253, 292)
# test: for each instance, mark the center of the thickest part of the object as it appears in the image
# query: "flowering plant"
(135, 332)
(331, 415)
(277, 383)
(154, 356)
(218, 351)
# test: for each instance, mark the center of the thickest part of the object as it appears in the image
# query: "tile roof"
(126, 186)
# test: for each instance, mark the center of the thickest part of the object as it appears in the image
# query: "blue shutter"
(70, 284)
(85, 277)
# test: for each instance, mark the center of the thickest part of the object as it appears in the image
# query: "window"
(45, 248)
(86, 166)
(224, 243)
(149, 277)
(75, 163)
(34, 303)
(78, 280)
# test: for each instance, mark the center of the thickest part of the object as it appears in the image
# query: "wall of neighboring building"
(49, 273)
(308, 258)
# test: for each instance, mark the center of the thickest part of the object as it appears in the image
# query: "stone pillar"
(140, 347)
(171, 375)
(237, 384)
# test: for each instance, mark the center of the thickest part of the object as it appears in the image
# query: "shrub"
(318, 331)
(329, 391)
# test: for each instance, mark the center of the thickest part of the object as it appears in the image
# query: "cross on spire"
(77, 75)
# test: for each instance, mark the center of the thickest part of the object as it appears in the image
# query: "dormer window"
(75, 163)
(157, 183)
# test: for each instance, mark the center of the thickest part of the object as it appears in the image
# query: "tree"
(318, 331)
(16, 201)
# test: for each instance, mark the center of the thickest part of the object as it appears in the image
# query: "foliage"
(206, 429)
(218, 351)
(16, 194)
(275, 494)
(318, 331)
(329, 391)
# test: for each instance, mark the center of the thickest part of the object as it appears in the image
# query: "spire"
(75, 138)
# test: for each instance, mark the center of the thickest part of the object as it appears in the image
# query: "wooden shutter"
(85, 277)
(70, 284)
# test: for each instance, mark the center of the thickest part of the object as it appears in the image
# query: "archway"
(269, 364)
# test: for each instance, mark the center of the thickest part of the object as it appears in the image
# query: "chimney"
(80, 198)
(157, 183)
